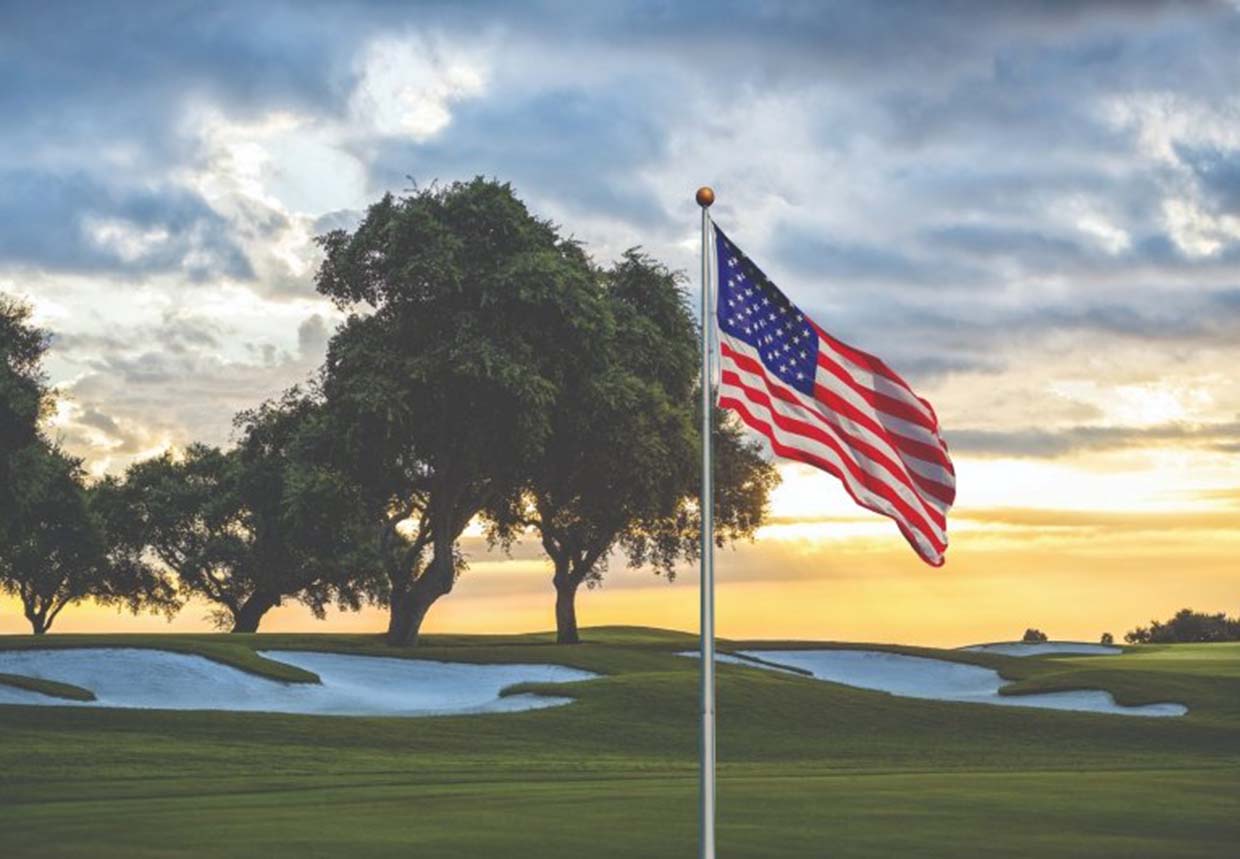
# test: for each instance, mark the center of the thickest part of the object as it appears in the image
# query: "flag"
(826, 404)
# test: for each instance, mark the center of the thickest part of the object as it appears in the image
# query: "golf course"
(807, 767)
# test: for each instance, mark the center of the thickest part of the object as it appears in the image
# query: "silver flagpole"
(706, 196)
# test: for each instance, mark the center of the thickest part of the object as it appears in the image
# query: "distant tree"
(248, 528)
(23, 389)
(1107, 638)
(1033, 636)
(1139, 635)
(622, 469)
(448, 387)
(69, 543)
(1187, 626)
(24, 398)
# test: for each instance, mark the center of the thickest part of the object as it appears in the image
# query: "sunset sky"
(1032, 212)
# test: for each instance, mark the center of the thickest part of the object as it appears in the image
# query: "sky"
(1032, 211)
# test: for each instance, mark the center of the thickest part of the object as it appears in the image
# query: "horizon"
(1040, 230)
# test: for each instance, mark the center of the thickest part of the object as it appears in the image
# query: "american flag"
(821, 402)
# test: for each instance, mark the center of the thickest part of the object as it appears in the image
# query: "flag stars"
(756, 312)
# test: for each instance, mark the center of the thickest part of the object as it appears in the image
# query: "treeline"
(1187, 626)
(488, 371)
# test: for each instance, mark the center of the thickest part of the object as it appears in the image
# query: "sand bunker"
(937, 679)
(1044, 648)
(351, 685)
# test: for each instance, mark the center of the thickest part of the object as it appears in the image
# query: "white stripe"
(808, 445)
(808, 414)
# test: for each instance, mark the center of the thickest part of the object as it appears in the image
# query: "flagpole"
(706, 196)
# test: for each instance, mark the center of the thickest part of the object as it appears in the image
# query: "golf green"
(806, 767)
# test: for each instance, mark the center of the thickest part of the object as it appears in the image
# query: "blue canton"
(752, 309)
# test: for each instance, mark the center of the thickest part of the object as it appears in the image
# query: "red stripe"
(946, 494)
(874, 365)
(865, 448)
(783, 450)
(869, 481)
(919, 449)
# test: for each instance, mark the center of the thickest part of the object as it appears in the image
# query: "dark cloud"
(584, 150)
(930, 198)
(1099, 520)
(1218, 172)
(78, 222)
(1061, 442)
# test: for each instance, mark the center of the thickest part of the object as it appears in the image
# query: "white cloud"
(408, 86)
(128, 241)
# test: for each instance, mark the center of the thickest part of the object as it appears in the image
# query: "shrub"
(1187, 626)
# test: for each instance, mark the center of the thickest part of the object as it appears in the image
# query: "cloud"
(995, 197)
(77, 222)
(1032, 442)
(1111, 522)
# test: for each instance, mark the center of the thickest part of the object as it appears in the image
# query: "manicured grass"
(806, 767)
(47, 687)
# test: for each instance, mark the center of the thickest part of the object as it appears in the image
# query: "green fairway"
(806, 767)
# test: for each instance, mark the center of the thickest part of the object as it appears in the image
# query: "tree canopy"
(621, 470)
(1187, 626)
(478, 313)
(68, 542)
(248, 528)
(23, 390)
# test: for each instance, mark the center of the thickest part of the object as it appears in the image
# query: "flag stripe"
(786, 447)
(861, 472)
(926, 458)
(859, 444)
(820, 401)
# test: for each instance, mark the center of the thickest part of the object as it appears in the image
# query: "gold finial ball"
(705, 196)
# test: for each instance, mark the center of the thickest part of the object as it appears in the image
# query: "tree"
(622, 469)
(1107, 638)
(23, 390)
(69, 543)
(1034, 636)
(479, 313)
(23, 400)
(1187, 626)
(248, 528)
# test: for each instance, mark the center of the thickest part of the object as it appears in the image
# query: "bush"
(1034, 636)
(1187, 626)
(1107, 638)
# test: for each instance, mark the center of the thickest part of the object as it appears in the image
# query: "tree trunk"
(410, 610)
(247, 617)
(400, 614)
(39, 621)
(565, 605)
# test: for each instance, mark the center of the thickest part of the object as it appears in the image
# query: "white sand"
(936, 679)
(1043, 648)
(351, 685)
